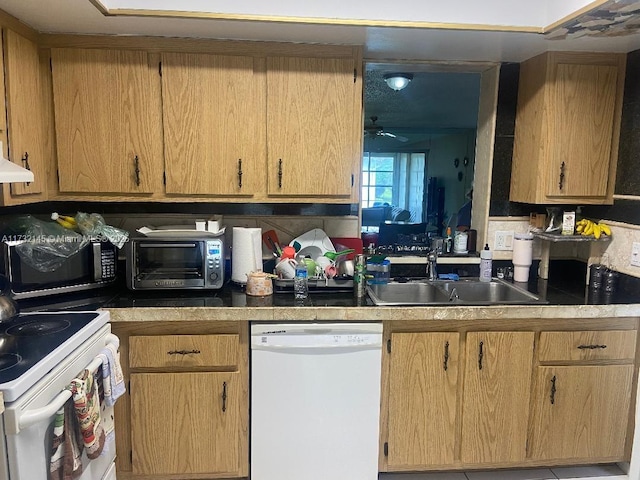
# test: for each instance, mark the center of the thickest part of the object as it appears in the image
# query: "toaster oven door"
(168, 264)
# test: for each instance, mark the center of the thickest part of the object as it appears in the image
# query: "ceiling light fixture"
(397, 81)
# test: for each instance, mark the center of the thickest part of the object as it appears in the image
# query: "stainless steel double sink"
(447, 292)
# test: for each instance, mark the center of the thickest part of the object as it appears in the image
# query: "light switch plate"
(635, 254)
(503, 240)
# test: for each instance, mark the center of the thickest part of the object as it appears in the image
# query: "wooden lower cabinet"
(185, 414)
(581, 412)
(507, 393)
(423, 399)
(496, 397)
(185, 422)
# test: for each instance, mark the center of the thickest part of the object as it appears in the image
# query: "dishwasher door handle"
(316, 348)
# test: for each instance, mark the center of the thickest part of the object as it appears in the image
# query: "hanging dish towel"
(87, 408)
(112, 377)
(65, 462)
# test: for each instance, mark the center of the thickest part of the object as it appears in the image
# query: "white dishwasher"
(315, 401)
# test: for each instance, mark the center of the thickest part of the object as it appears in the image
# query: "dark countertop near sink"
(565, 287)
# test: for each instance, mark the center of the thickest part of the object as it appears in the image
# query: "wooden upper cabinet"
(567, 128)
(214, 115)
(497, 388)
(423, 392)
(108, 121)
(313, 126)
(25, 112)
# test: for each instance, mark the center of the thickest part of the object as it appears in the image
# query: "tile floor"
(597, 472)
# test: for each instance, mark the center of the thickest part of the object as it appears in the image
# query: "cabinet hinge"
(389, 346)
(355, 75)
(58, 176)
(131, 456)
(50, 65)
(386, 449)
(164, 178)
(352, 179)
(160, 68)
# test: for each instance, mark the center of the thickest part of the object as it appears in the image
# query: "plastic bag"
(45, 246)
(94, 225)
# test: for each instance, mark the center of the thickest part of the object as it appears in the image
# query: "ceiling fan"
(374, 130)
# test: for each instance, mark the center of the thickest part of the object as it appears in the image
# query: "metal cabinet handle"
(446, 356)
(480, 355)
(240, 173)
(560, 184)
(25, 163)
(136, 169)
(591, 347)
(183, 352)
(553, 390)
(224, 396)
(280, 173)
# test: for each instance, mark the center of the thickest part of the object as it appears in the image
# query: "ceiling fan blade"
(400, 138)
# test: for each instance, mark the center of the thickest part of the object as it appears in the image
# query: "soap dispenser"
(485, 264)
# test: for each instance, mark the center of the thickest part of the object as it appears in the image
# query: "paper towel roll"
(246, 253)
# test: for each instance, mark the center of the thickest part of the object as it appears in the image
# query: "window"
(377, 179)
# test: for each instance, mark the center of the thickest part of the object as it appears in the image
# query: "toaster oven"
(158, 263)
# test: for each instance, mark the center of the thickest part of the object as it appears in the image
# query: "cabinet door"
(423, 386)
(313, 139)
(185, 423)
(108, 121)
(583, 104)
(581, 412)
(25, 111)
(496, 396)
(214, 116)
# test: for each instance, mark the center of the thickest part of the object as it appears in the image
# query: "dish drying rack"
(317, 284)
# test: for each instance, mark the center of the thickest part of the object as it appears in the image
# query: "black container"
(596, 276)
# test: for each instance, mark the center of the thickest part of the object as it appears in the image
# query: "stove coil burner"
(8, 360)
(38, 328)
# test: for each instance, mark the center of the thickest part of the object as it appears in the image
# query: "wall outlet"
(503, 241)
(635, 254)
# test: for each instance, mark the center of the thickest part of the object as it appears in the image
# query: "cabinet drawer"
(587, 345)
(183, 351)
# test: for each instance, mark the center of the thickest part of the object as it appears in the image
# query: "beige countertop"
(369, 313)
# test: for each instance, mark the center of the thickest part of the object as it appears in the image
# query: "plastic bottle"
(485, 264)
(448, 242)
(300, 285)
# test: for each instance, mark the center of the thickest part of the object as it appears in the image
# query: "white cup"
(286, 268)
(201, 225)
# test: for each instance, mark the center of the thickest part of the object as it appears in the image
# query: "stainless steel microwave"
(93, 266)
(154, 263)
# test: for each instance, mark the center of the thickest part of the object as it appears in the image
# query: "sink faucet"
(454, 295)
(432, 261)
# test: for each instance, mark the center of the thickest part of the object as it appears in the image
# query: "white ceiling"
(488, 12)
(380, 43)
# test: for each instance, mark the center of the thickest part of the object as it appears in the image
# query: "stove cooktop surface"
(31, 344)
